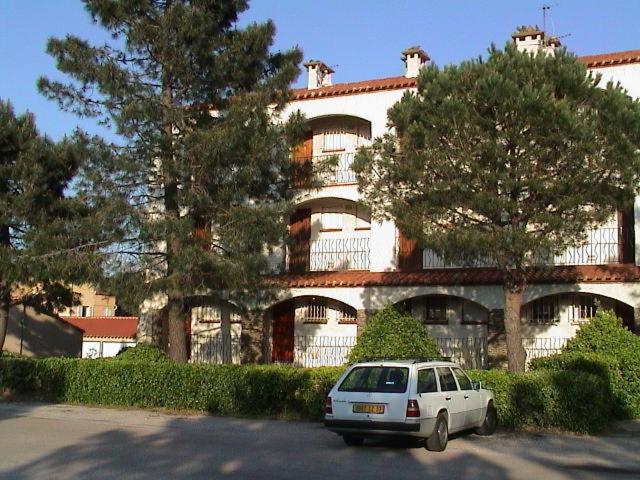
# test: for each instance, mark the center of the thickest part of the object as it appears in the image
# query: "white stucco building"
(342, 265)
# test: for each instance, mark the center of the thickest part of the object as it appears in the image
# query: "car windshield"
(376, 379)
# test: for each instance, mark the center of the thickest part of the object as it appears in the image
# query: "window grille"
(346, 315)
(315, 312)
(207, 314)
(544, 310)
(334, 139)
(435, 310)
(583, 308)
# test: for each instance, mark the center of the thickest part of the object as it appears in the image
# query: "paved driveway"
(61, 441)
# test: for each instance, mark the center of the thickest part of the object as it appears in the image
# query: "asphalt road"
(62, 441)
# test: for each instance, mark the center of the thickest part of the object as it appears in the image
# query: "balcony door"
(302, 158)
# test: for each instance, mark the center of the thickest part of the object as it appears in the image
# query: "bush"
(219, 389)
(392, 334)
(568, 400)
(605, 348)
(142, 353)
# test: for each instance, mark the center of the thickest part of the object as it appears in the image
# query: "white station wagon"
(408, 398)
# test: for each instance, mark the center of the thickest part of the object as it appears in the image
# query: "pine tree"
(42, 232)
(505, 161)
(201, 169)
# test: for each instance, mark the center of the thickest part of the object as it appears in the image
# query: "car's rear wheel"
(490, 421)
(352, 440)
(438, 440)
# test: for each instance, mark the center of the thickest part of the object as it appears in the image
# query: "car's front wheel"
(352, 440)
(490, 421)
(438, 440)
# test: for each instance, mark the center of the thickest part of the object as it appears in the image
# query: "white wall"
(101, 348)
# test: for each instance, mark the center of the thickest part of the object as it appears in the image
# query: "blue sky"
(360, 38)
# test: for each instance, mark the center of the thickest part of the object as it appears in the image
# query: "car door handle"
(447, 398)
(466, 396)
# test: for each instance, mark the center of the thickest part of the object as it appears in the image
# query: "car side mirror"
(476, 385)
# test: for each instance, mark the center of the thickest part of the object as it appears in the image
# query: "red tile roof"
(365, 86)
(610, 59)
(458, 276)
(105, 327)
(395, 83)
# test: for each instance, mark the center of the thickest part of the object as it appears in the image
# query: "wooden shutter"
(626, 236)
(409, 255)
(302, 158)
(283, 332)
(300, 232)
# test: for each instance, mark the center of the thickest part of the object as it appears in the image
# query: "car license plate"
(368, 408)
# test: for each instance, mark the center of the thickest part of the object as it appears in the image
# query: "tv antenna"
(545, 7)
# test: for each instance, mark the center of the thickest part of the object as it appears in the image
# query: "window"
(427, 381)
(315, 312)
(334, 139)
(346, 315)
(376, 379)
(447, 381)
(463, 380)
(583, 308)
(362, 218)
(85, 311)
(331, 220)
(545, 310)
(207, 314)
(435, 310)
(108, 312)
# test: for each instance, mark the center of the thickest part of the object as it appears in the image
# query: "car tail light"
(413, 410)
(327, 406)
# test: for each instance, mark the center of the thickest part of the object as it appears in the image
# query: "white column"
(636, 216)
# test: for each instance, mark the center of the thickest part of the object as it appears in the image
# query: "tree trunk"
(516, 357)
(225, 332)
(5, 304)
(177, 345)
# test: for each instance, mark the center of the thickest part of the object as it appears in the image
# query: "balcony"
(316, 170)
(604, 245)
(331, 254)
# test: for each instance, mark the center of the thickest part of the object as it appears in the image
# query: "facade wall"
(103, 348)
(91, 303)
(40, 335)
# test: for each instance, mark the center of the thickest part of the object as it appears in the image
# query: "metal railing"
(321, 351)
(468, 352)
(339, 254)
(602, 247)
(209, 347)
(537, 347)
(339, 174)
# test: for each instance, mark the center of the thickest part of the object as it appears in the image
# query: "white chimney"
(532, 40)
(318, 74)
(414, 59)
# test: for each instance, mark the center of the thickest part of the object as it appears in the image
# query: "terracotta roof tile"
(466, 276)
(395, 83)
(352, 88)
(105, 327)
(610, 59)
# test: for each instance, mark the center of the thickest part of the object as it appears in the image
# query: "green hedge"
(605, 348)
(567, 400)
(219, 389)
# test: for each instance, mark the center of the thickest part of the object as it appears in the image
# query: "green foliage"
(218, 389)
(568, 400)
(512, 148)
(192, 95)
(393, 334)
(43, 233)
(141, 353)
(605, 348)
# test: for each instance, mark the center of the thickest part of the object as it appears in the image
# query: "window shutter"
(302, 160)
(626, 236)
(408, 254)
(300, 232)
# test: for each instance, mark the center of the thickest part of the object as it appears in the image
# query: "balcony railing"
(339, 174)
(603, 246)
(339, 254)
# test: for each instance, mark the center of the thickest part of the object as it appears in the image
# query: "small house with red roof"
(105, 336)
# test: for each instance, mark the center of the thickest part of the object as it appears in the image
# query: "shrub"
(568, 400)
(392, 334)
(605, 348)
(219, 389)
(142, 353)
